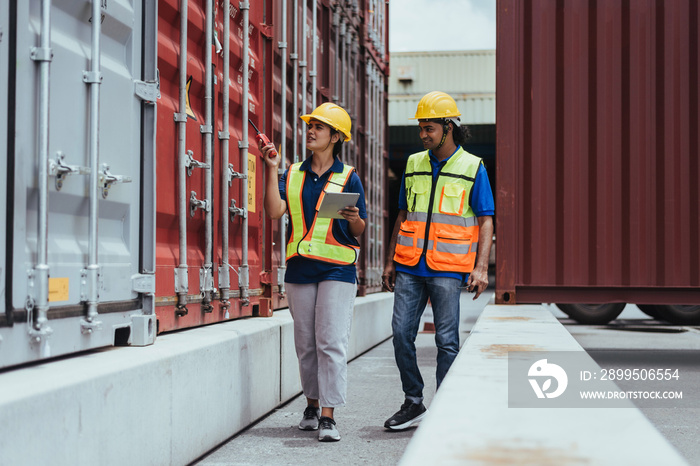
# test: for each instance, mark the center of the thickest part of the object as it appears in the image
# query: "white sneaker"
(327, 431)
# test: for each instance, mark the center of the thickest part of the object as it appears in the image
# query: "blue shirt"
(481, 202)
(304, 270)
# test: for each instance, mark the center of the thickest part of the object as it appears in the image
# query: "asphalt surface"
(634, 340)
(374, 394)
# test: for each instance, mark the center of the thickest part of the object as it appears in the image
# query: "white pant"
(322, 314)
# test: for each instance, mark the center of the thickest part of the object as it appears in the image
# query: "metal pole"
(224, 277)
(336, 24)
(181, 280)
(94, 78)
(314, 56)
(303, 67)
(243, 145)
(295, 87)
(283, 147)
(39, 327)
(207, 278)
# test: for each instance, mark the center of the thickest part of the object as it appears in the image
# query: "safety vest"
(439, 210)
(317, 242)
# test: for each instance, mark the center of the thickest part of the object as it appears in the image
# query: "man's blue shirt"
(481, 202)
(303, 270)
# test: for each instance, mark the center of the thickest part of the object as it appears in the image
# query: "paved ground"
(374, 394)
(635, 340)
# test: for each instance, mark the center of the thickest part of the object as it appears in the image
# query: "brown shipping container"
(597, 143)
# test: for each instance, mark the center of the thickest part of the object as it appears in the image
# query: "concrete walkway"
(374, 394)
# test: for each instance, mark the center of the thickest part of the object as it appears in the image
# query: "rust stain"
(500, 350)
(499, 454)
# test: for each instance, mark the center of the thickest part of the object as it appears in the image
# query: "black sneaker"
(310, 420)
(409, 414)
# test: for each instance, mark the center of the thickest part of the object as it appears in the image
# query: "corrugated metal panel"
(468, 76)
(476, 109)
(351, 71)
(467, 71)
(597, 166)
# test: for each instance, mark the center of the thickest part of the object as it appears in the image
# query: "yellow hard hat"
(333, 115)
(436, 104)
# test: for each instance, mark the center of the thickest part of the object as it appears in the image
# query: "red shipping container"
(597, 142)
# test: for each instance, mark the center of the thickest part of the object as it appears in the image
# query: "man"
(441, 239)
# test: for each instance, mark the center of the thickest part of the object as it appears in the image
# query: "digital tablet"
(333, 202)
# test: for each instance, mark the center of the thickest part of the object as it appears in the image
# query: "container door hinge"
(267, 30)
(197, 204)
(148, 91)
(107, 179)
(232, 174)
(266, 278)
(237, 210)
(143, 283)
(60, 170)
(191, 163)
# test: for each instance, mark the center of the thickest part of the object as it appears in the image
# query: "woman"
(321, 254)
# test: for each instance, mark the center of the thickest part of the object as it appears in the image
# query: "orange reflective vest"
(317, 242)
(440, 223)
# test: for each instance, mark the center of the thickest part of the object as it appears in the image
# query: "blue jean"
(411, 295)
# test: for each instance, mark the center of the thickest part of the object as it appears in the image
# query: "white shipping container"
(80, 240)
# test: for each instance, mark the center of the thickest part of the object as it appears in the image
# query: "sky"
(425, 25)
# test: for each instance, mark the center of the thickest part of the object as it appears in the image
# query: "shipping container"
(597, 167)
(134, 182)
(79, 173)
(332, 58)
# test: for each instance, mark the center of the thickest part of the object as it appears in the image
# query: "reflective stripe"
(475, 247)
(408, 242)
(295, 184)
(443, 218)
(405, 240)
(453, 248)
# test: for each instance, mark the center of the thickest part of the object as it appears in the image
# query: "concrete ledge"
(168, 403)
(470, 423)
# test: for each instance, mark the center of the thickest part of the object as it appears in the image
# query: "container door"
(71, 159)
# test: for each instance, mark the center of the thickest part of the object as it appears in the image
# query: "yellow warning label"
(252, 161)
(58, 289)
(188, 107)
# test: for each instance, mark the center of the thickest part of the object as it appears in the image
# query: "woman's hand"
(355, 223)
(265, 149)
(350, 213)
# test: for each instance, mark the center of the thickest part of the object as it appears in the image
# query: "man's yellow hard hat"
(436, 104)
(334, 116)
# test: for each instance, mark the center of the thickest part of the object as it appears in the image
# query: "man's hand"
(478, 281)
(389, 276)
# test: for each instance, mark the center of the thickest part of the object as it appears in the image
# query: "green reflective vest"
(317, 242)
